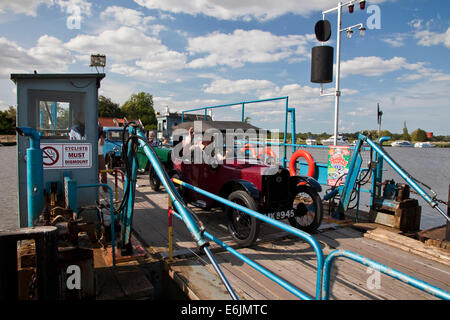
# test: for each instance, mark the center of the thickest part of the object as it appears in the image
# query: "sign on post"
(66, 155)
(338, 165)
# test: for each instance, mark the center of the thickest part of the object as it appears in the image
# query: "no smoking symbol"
(50, 156)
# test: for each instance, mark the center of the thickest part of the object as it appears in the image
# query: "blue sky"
(200, 53)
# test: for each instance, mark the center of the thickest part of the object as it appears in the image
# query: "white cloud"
(428, 38)
(376, 66)
(131, 52)
(224, 86)
(49, 54)
(119, 92)
(29, 7)
(240, 47)
(122, 44)
(81, 7)
(116, 16)
(396, 40)
(241, 9)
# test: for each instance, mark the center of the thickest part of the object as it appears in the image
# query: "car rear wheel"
(243, 227)
(155, 183)
(308, 210)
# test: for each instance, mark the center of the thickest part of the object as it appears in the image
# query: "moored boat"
(311, 142)
(401, 143)
(424, 145)
(340, 141)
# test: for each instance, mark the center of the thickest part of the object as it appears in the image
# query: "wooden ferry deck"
(287, 256)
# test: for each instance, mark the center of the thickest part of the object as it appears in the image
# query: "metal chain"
(434, 198)
(441, 201)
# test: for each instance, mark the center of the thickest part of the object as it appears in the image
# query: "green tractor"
(164, 154)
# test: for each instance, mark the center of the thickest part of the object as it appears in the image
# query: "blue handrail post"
(377, 173)
(293, 129)
(35, 174)
(419, 284)
(128, 215)
(285, 132)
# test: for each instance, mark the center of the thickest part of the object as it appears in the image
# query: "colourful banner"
(338, 164)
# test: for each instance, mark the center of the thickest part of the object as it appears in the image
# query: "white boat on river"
(424, 145)
(402, 143)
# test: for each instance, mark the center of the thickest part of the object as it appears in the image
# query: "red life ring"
(309, 160)
(249, 147)
(267, 151)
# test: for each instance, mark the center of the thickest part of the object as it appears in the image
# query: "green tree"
(109, 109)
(140, 106)
(419, 135)
(385, 133)
(405, 135)
(8, 121)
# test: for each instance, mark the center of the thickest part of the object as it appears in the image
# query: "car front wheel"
(243, 227)
(308, 211)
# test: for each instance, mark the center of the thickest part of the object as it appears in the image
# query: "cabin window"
(58, 115)
(54, 118)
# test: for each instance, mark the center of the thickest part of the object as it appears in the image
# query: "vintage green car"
(164, 154)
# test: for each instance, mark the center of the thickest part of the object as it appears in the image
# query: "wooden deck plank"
(417, 265)
(302, 268)
(394, 258)
(291, 259)
(357, 274)
(243, 278)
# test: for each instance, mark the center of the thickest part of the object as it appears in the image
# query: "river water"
(428, 165)
(431, 166)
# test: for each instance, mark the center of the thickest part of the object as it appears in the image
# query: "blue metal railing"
(380, 151)
(323, 267)
(179, 204)
(243, 103)
(419, 284)
(301, 234)
(253, 264)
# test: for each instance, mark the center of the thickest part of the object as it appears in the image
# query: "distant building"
(429, 135)
(169, 119)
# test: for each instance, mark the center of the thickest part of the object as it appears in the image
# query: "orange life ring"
(249, 147)
(267, 151)
(309, 160)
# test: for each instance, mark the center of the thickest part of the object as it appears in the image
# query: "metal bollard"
(46, 262)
